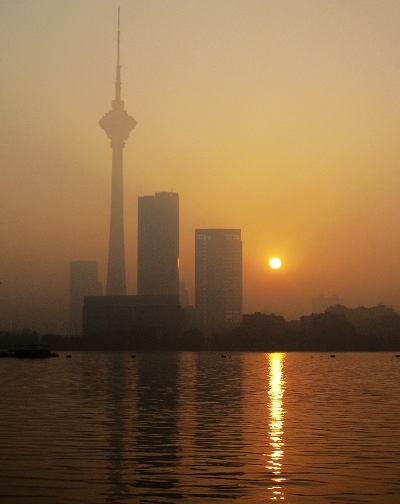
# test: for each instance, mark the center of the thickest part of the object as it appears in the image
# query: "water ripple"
(169, 427)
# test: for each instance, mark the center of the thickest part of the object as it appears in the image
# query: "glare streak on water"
(192, 427)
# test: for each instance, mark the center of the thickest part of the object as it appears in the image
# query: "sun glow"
(275, 262)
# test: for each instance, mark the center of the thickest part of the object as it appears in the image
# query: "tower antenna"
(118, 79)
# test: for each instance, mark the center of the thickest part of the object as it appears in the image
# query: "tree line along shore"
(338, 329)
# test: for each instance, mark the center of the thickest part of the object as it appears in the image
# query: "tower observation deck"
(117, 124)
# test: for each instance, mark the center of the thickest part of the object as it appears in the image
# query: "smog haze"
(277, 118)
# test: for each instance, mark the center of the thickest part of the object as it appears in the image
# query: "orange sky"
(277, 117)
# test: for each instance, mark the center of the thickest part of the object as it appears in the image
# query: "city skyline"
(280, 119)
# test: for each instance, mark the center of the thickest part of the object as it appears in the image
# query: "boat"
(33, 351)
(6, 353)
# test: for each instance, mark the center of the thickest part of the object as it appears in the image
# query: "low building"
(83, 281)
(125, 316)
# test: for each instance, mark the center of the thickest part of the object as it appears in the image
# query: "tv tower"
(117, 124)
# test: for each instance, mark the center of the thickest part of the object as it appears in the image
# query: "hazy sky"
(277, 117)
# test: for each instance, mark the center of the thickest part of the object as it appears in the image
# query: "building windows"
(218, 277)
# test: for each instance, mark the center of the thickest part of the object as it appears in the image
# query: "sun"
(275, 263)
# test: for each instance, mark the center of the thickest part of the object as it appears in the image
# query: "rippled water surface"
(195, 427)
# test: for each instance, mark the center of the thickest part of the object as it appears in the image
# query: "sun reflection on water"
(276, 413)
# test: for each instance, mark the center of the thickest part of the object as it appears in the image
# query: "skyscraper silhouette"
(218, 277)
(158, 244)
(117, 124)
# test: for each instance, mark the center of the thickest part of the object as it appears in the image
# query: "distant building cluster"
(162, 301)
(160, 295)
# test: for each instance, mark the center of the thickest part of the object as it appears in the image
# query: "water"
(197, 428)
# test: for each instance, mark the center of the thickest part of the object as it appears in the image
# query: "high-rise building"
(158, 244)
(218, 277)
(117, 124)
(83, 281)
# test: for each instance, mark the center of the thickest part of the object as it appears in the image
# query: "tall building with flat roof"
(218, 277)
(83, 281)
(158, 244)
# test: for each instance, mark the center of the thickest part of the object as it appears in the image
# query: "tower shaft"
(116, 275)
